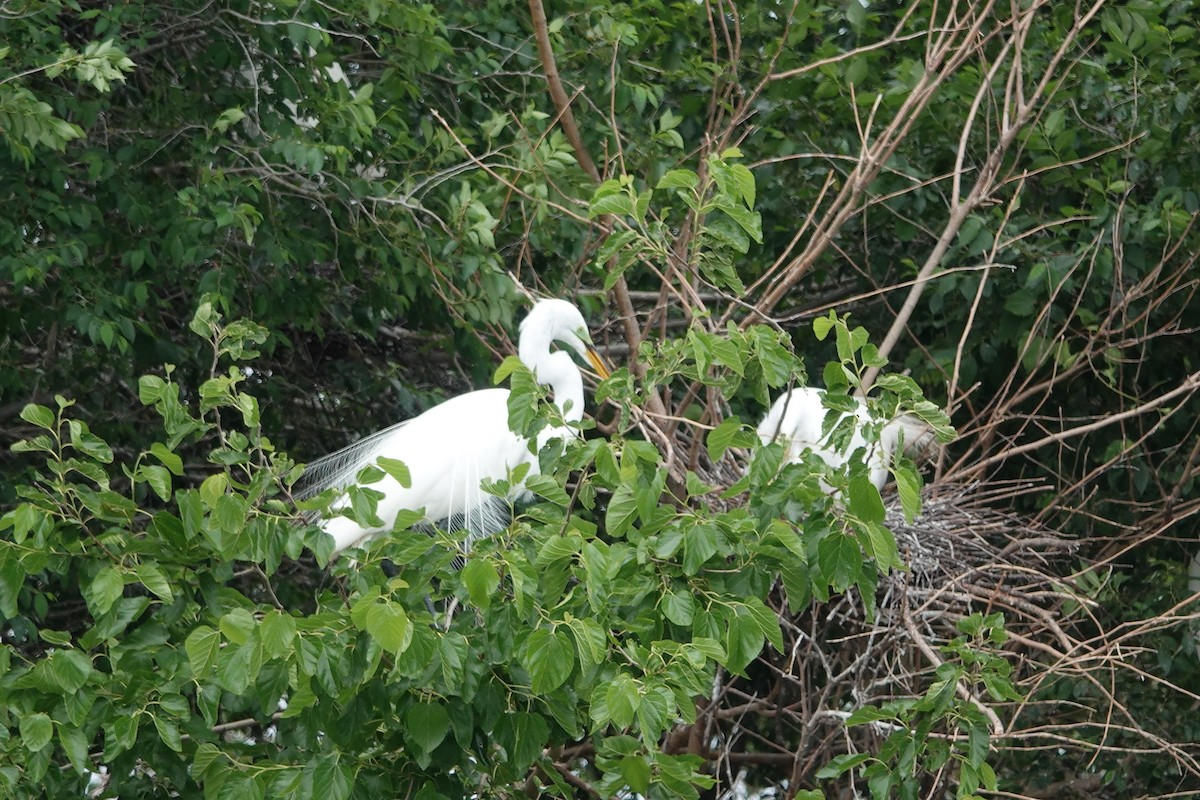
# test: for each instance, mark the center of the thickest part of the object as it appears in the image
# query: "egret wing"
(340, 469)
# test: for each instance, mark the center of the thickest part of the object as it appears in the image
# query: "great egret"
(796, 418)
(453, 447)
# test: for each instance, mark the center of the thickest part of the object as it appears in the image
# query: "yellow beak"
(597, 363)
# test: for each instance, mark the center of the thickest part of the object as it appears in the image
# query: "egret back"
(798, 416)
(449, 451)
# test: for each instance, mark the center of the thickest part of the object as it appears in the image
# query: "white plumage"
(453, 447)
(796, 418)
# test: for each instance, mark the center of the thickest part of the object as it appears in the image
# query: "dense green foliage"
(234, 235)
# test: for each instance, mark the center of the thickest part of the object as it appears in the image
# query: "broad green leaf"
(87, 442)
(168, 731)
(482, 580)
(743, 641)
(397, 469)
(40, 416)
(152, 578)
(549, 658)
(699, 545)
(616, 204)
(238, 666)
(546, 487)
(389, 625)
(908, 486)
(62, 672)
(590, 640)
(864, 500)
(720, 437)
(766, 620)
(679, 607)
(839, 560)
(635, 770)
(75, 745)
(623, 697)
(213, 488)
(202, 646)
(237, 625)
(36, 731)
(426, 725)
(104, 590)
(622, 510)
(330, 779)
(868, 714)
(277, 631)
(158, 478)
(678, 179)
(883, 548)
(530, 735)
(842, 764)
(167, 458)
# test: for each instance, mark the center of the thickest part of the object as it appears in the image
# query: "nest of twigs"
(965, 554)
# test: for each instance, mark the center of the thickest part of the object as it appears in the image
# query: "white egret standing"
(796, 418)
(453, 447)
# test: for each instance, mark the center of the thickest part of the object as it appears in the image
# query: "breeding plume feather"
(452, 448)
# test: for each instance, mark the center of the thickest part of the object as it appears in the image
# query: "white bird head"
(554, 320)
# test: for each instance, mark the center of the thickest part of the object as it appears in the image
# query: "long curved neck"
(553, 369)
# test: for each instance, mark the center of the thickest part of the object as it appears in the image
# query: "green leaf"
(75, 745)
(616, 243)
(40, 416)
(168, 731)
(744, 640)
(679, 607)
(549, 658)
(908, 486)
(396, 469)
(865, 502)
(839, 560)
(635, 770)
(547, 487)
(158, 478)
(389, 625)
(841, 764)
(767, 621)
(883, 547)
(743, 179)
(590, 640)
(330, 780)
(202, 645)
(36, 731)
(277, 631)
(427, 725)
(616, 204)
(103, 591)
(823, 325)
(153, 579)
(238, 625)
(213, 488)
(868, 714)
(678, 179)
(530, 735)
(699, 545)
(623, 697)
(88, 443)
(482, 580)
(62, 672)
(720, 437)
(622, 510)
(167, 458)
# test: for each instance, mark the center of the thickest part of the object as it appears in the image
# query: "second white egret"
(796, 418)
